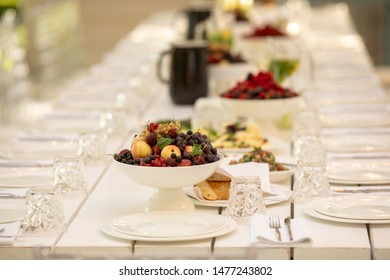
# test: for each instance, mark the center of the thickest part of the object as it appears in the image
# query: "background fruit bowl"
(169, 182)
(224, 76)
(262, 109)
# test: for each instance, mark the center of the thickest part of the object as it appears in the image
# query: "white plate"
(358, 119)
(274, 145)
(267, 200)
(359, 171)
(168, 224)
(108, 229)
(356, 207)
(309, 209)
(9, 214)
(39, 149)
(24, 177)
(357, 143)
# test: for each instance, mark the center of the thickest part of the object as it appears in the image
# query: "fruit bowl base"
(169, 200)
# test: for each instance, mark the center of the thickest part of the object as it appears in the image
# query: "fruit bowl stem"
(169, 199)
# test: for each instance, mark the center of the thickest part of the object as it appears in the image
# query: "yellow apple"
(188, 149)
(168, 150)
(140, 149)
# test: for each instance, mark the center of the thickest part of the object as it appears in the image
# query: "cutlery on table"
(274, 222)
(361, 190)
(10, 195)
(2, 229)
(287, 221)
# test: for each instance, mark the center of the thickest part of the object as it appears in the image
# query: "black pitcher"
(188, 71)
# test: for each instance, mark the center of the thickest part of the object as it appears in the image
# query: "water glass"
(113, 121)
(92, 145)
(306, 136)
(245, 199)
(44, 212)
(69, 175)
(310, 182)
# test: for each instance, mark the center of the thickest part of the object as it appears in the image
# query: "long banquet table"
(113, 194)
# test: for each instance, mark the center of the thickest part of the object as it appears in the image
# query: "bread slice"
(221, 189)
(218, 177)
(214, 190)
(207, 192)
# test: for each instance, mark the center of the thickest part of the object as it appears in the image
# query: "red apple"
(140, 149)
(168, 150)
(185, 162)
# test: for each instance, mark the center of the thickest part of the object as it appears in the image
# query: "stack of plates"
(359, 171)
(351, 209)
(167, 226)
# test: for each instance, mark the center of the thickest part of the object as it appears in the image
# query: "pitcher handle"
(159, 66)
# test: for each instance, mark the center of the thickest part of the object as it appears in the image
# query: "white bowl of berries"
(168, 160)
(260, 98)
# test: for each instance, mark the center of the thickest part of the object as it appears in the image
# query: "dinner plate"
(25, 177)
(274, 145)
(9, 214)
(267, 200)
(107, 228)
(356, 207)
(309, 209)
(358, 119)
(357, 143)
(359, 171)
(168, 224)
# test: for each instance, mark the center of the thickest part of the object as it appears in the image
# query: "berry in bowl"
(259, 97)
(168, 160)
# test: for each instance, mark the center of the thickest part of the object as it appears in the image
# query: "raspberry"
(152, 127)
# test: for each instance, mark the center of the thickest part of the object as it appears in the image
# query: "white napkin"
(250, 169)
(261, 232)
(8, 236)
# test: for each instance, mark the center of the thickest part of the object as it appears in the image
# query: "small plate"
(356, 207)
(363, 143)
(359, 171)
(309, 209)
(24, 177)
(9, 214)
(107, 228)
(358, 119)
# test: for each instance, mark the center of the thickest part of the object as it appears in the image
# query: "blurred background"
(48, 40)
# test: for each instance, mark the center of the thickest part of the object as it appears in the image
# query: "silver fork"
(274, 222)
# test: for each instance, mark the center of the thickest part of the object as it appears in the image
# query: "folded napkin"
(261, 231)
(9, 234)
(250, 169)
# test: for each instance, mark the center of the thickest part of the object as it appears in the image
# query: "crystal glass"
(311, 181)
(113, 121)
(288, 62)
(93, 145)
(306, 136)
(44, 212)
(69, 175)
(245, 198)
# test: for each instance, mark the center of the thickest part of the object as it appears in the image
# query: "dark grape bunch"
(160, 148)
